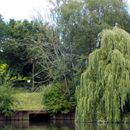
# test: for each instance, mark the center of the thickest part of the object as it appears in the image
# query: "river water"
(60, 125)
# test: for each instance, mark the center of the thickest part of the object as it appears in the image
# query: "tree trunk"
(33, 84)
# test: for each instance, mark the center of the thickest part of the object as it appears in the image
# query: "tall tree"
(104, 85)
(79, 22)
(33, 49)
(23, 46)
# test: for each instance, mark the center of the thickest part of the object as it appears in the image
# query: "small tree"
(7, 99)
(104, 86)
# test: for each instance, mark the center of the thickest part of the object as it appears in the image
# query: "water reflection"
(83, 126)
(7, 127)
(25, 125)
(60, 125)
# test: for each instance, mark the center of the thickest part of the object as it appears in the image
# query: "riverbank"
(28, 101)
(28, 106)
(37, 116)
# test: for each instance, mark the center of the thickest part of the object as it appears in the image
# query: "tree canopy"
(104, 85)
(55, 54)
(79, 22)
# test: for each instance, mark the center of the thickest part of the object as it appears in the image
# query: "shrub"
(6, 98)
(56, 98)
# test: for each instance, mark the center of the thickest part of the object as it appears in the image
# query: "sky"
(26, 9)
(23, 9)
(128, 1)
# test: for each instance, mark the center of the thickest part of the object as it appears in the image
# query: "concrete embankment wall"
(28, 115)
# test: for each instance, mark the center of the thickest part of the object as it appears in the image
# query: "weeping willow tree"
(104, 85)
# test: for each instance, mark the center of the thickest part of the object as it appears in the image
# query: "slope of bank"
(28, 101)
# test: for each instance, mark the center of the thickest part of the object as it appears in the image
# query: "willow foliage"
(104, 86)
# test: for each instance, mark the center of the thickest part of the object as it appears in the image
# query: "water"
(26, 125)
(60, 125)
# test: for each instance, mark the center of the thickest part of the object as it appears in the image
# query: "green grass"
(29, 101)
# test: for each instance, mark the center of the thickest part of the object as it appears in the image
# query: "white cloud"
(128, 1)
(25, 9)
(22, 9)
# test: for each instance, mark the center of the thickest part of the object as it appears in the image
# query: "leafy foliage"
(47, 54)
(56, 98)
(3, 68)
(104, 85)
(79, 22)
(7, 99)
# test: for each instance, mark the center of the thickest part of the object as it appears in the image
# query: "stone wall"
(24, 115)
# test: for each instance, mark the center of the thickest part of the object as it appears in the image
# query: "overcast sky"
(24, 9)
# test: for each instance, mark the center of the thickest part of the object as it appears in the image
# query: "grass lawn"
(29, 101)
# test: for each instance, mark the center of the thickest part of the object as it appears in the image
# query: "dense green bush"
(6, 99)
(56, 98)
